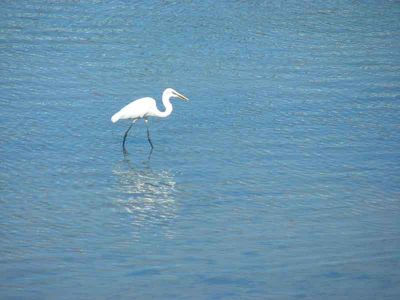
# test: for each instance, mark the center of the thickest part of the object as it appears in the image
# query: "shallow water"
(279, 180)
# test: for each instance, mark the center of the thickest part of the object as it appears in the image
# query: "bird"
(144, 108)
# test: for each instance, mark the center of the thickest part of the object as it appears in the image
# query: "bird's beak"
(181, 96)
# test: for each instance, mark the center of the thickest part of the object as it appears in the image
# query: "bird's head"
(172, 93)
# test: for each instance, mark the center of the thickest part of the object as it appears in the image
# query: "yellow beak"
(181, 96)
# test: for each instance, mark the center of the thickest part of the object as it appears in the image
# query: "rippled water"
(279, 180)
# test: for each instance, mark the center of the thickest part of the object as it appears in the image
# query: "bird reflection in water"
(147, 196)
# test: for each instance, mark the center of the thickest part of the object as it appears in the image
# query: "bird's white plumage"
(147, 107)
(140, 108)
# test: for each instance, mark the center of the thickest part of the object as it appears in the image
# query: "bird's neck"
(167, 105)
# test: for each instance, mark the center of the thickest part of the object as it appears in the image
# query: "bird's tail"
(115, 117)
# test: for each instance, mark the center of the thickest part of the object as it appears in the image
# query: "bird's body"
(146, 107)
(138, 109)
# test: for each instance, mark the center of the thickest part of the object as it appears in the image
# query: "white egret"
(146, 107)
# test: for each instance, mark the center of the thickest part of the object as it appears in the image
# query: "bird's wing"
(137, 109)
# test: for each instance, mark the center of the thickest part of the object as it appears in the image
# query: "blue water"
(280, 179)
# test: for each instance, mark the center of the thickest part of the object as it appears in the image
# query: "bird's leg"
(148, 138)
(148, 134)
(125, 135)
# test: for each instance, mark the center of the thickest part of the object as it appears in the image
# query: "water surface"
(279, 180)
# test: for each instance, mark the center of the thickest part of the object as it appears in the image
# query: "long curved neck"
(167, 105)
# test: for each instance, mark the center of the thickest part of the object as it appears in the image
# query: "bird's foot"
(151, 152)
(125, 151)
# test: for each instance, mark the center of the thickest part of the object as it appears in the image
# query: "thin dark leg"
(150, 152)
(148, 135)
(148, 138)
(151, 144)
(125, 135)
